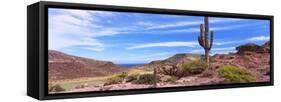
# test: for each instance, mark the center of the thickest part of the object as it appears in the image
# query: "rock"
(251, 47)
(266, 46)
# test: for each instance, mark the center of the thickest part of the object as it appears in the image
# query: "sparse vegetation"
(173, 70)
(132, 77)
(123, 75)
(114, 80)
(147, 79)
(236, 75)
(194, 67)
(55, 88)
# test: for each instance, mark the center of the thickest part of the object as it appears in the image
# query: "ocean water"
(131, 65)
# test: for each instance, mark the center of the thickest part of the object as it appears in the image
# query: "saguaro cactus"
(155, 78)
(204, 39)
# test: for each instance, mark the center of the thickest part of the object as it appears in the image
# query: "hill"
(64, 66)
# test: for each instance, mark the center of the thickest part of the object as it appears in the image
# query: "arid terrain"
(250, 63)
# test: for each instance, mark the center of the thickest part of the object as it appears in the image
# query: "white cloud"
(165, 44)
(228, 42)
(222, 28)
(259, 38)
(156, 56)
(68, 28)
(177, 24)
(197, 29)
(188, 23)
(145, 24)
(96, 49)
(223, 50)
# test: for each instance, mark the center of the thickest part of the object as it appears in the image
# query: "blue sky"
(127, 38)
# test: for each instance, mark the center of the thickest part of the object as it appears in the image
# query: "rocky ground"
(185, 81)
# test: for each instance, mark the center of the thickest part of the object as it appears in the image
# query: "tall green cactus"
(155, 78)
(203, 38)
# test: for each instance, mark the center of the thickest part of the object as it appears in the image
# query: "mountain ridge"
(64, 66)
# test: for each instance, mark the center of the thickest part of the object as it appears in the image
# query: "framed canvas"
(82, 50)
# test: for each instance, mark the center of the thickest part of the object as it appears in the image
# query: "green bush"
(147, 79)
(123, 75)
(114, 80)
(236, 75)
(194, 67)
(55, 88)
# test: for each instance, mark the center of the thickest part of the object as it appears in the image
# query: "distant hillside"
(64, 66)
(173, 60)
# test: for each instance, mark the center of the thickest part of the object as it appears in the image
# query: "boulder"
(266, 46)
(251, 47)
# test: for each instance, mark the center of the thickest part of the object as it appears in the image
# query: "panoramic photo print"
(90, 50)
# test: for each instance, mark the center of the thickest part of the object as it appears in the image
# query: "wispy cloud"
(190, 30)
(176, 24)
(187, 23)
(195, 43)
(165, 44)
(259, 38)
(96, 48)
(252, 39)
(69, 28)
(152, 56)
(223, 50)
(231, 27)
(228, 42)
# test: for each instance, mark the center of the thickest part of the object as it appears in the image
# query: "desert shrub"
(173, 79)
(55, 88)
(123, 75)
(172, 70)
(147, 79)
(236, 75)
(194, 67)
(132, 77)
(114, 80)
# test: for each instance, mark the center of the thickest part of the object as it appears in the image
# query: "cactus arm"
(200, 41)
(211, 40)
(202, 31)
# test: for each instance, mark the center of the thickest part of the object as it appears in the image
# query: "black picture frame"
(37, 49)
